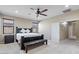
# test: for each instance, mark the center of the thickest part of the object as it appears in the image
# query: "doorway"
(69, 30)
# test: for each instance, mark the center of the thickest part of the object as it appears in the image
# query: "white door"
(55, 34)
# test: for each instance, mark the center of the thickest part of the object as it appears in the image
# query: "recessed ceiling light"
(64, 23)
(66, 6)
(16, 11)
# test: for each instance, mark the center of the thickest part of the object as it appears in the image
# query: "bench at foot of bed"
(34, 42)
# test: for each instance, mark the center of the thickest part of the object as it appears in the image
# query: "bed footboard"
(29, 39)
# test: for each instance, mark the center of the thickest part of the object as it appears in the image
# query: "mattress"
(19, 35)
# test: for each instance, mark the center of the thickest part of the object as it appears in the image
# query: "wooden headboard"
(19, 29)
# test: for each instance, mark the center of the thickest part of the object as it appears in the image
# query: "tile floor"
(64, 47)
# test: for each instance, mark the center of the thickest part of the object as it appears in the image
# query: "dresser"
(8, 39)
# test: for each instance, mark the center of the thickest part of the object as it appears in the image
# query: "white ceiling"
(24, 11)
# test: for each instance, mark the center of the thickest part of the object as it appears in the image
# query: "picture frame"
(8, 26)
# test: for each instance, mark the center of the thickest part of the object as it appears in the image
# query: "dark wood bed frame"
(26, 45)
(25, 40)
(29, 39)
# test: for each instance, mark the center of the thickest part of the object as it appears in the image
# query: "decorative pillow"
(23, 31)
(28, 31)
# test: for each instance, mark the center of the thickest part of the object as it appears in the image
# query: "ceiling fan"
(38, 12)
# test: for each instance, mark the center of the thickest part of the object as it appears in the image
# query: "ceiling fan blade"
(31, 8)
(43, 14)
(44, 10)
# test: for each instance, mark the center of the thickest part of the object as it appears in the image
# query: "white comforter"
(19, 35)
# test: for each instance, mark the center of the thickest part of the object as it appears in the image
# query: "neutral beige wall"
(45, 26)
(76, 29)
(63, 31)
(1, 31)
(19, 22)
(23, 23)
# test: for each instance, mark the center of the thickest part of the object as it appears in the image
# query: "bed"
(27, 35)
(19, 35)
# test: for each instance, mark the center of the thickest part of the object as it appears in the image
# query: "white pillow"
(23, 31)
(28, 31)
